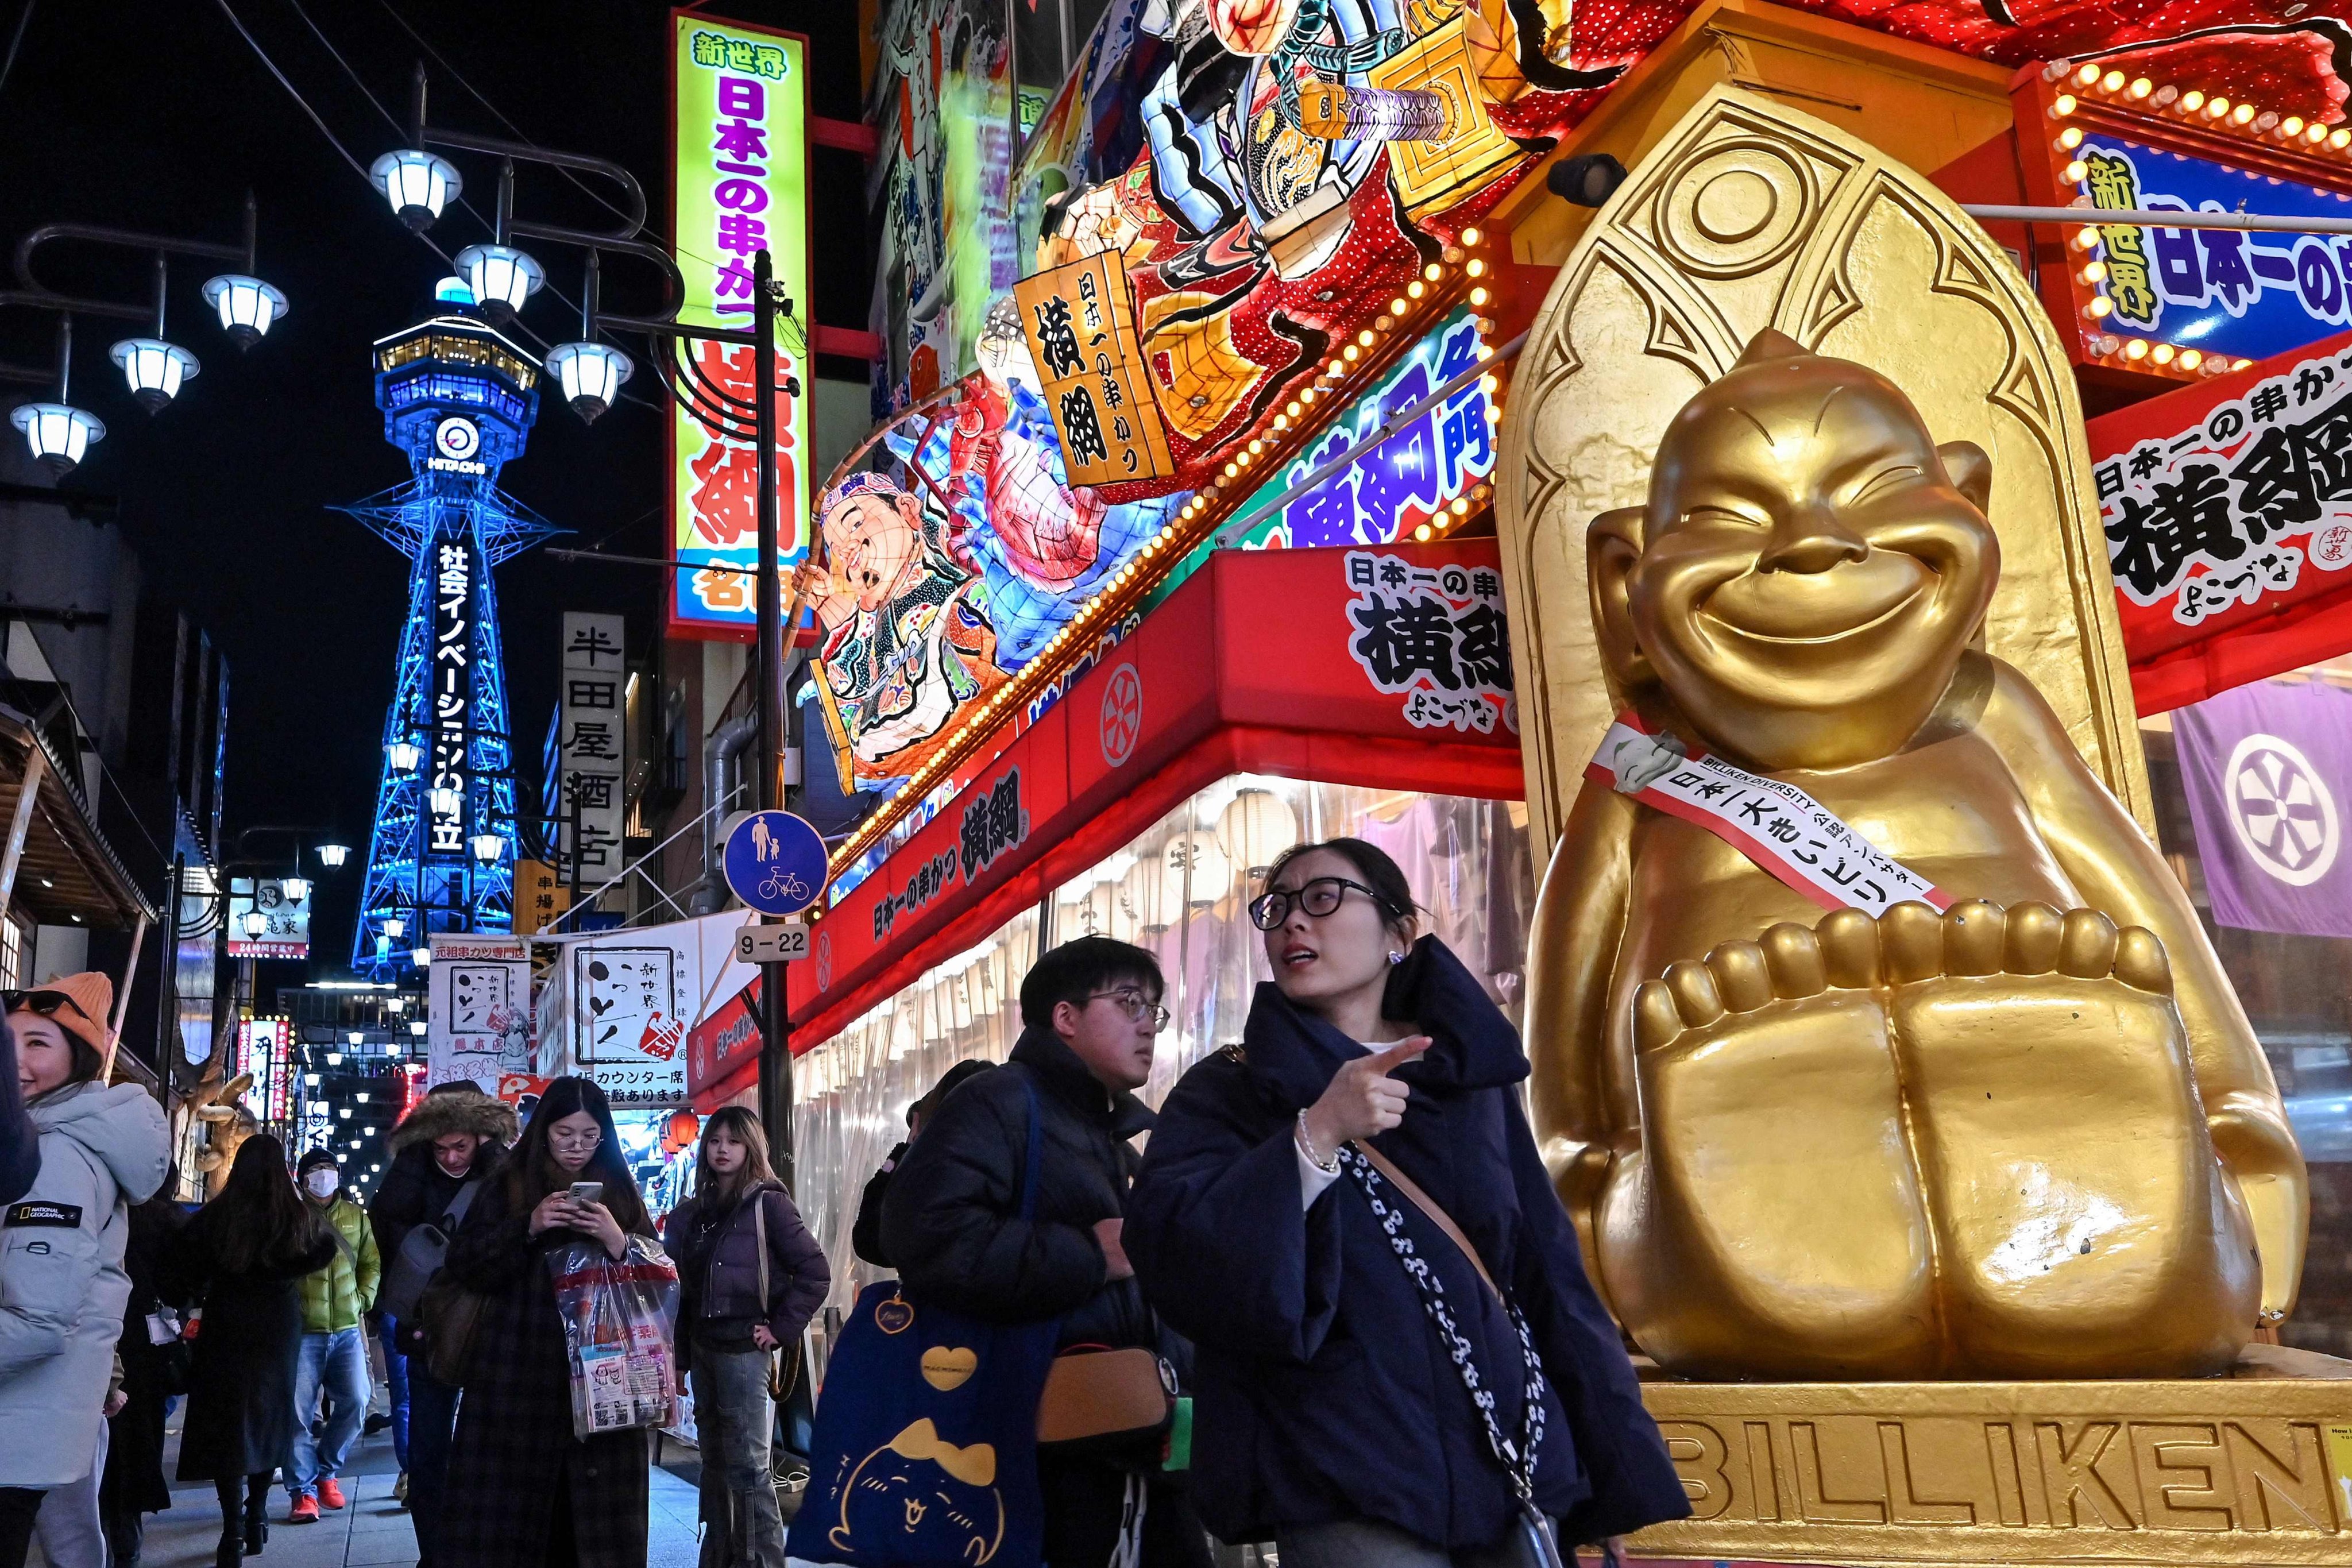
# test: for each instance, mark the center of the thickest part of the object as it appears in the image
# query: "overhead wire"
(16, 41)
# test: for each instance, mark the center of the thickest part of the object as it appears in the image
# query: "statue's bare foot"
(1932, 1145)
(2080, 1210)
(1783, 1229)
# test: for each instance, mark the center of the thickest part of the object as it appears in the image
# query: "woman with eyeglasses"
(1401, 1360)
(62, 1284)
(520, 1489)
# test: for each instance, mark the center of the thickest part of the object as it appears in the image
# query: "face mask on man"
(322, 1182)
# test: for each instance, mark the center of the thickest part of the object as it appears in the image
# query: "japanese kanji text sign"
(589, 747)
(1391, 487)
(1081, 326)
(285, 919)
(1435, 635)
(2228, 509)
(740, 186)
(2219, 291)
(477, 1021)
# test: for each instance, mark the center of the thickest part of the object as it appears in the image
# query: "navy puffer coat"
(1323, 1392)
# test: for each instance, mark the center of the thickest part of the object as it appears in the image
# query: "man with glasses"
(952, 1221)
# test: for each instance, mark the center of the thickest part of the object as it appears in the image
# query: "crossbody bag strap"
(1428, 1206)
(760, 1225)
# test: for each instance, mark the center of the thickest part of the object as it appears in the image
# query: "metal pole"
(36, 767)
(775, 1040)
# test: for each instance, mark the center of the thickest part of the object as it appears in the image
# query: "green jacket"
(334, 1297)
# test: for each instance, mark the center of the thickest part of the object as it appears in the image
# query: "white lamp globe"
(331, 856)
(396, 926)
(297, 887)
(591, 376)
(443, 801)
(420, 956)
(58, 434)
(246, 306)
(489, 847)
(501, 277)
(254, 921)
(417, 184)
(154, 370)
(401, 756)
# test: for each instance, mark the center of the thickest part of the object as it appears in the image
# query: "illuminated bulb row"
(2212, 110)
(2139, 353)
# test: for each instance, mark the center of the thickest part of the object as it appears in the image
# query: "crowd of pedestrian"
(1332, 1302)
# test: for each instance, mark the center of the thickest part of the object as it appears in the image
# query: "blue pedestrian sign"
(775, 862)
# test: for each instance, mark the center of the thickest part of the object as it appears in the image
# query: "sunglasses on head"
(43, 1003)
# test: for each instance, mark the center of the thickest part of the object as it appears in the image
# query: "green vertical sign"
(740, 139)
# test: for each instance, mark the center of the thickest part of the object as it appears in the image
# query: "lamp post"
(416, 183)
(155, 369)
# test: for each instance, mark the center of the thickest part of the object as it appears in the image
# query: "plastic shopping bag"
(618, 1320)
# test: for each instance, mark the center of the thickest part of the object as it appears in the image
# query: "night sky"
(156, 115)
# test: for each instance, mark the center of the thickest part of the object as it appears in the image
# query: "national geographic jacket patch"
(66, 1216)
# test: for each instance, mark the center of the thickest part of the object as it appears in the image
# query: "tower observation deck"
(459, 399)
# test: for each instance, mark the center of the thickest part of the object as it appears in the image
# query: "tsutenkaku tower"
(459, 399)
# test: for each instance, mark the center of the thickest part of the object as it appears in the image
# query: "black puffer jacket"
(952, 1221)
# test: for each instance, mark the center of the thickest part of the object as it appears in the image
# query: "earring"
(1396, 958)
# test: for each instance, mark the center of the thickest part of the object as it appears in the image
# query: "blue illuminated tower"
(459, 398)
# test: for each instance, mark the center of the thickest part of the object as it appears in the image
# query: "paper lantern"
(1147, 894)
(684, 1128)
(1257, 827)
(1199, 870)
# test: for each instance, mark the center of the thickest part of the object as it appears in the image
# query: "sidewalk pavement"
(372, 1530)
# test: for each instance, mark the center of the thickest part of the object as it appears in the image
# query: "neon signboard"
(739, 144)
(2250, 295)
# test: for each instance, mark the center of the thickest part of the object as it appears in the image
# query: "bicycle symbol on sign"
(785, 885)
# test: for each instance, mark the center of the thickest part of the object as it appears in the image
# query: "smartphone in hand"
(587, 1191)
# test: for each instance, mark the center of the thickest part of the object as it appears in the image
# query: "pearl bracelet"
(1329, 1167)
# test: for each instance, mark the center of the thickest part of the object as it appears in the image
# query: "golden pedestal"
(2252, 1468)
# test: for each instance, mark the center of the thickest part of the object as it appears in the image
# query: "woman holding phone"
(1401, 1362)
(520, 1488)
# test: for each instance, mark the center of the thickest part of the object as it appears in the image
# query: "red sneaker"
(304, 1511)
(330, 1491)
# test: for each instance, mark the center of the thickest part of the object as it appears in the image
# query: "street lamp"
(487, 847)
(247, 305)
(154, 370)
(57, 432)
(332, 856)
(396, 926)
(591, 376)
(402, 756)
(297, 887)
(254, 921)
(417, 184)
(501, 277)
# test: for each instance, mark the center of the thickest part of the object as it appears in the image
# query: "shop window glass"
(1179, 889)
(2295, 987)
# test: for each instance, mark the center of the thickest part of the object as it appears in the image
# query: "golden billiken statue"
(2031, 1136)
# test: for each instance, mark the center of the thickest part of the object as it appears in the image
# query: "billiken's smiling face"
(1811, 564)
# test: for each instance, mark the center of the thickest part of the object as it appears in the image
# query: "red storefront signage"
(2228, 511)
(1388, 666)
(725, 1042)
